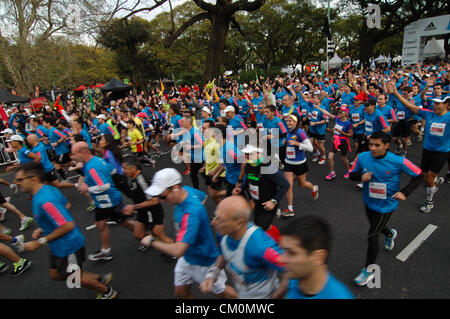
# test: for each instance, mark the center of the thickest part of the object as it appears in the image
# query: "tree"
(221, 15)
(127, 39)
(395, 16)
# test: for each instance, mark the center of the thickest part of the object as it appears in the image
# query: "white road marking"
(412, 247)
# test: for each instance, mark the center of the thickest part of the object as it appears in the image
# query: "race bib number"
(104, 201)
(290, 152)
(304, 112)
(259, 125)
(369, 127)
(437, 129)
(355, 117)
(377, 190)
(314, 115)
(401, 115)
(336, 128)
(254, 191)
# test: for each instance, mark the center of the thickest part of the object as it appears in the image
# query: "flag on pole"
(372, 64)
(390, 61)
(57, 105)
(91, 99)
(3, 115)
(162, 89)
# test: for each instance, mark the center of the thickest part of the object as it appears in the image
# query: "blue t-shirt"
(109, 157)
(275, 127)
(40, 151)
(41, 132)
(261, 252)
(317, 116)
(192, 225)
(374, 122)
(356, 115)
(51, 213)
(294, 155)
(385, 181)
(437, 131)
(230, 156)
(97, 175)
(105, 128)
(23, 155)
(54, 136)
(87, 137)
(333, 289)
(347, 98)
(387, 111)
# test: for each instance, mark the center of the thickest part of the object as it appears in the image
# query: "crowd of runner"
(250, 143)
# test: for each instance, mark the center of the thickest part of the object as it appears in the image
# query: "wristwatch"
(42, 240)
(274, 201)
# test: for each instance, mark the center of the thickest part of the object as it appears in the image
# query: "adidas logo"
(430, 27)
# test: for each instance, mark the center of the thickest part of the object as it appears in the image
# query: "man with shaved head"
(108, 200)
(251, 256)
(50, 176)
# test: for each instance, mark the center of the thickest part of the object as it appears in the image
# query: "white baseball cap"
(251, 149)
(101, 116)
(230, 108)
(441, 100)
(15, 138)
(162, 180)
(7, 131)
(206, 109)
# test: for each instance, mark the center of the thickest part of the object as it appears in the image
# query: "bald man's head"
(33, 139)
(80, 152)
(232, 217)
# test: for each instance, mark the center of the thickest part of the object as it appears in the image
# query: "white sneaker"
(20, 239)
(25, 223)
(2, 214)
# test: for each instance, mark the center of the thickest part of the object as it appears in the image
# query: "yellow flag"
(162, 89)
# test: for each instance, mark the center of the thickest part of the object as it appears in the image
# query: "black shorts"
(51, 155)
(433, 161)
(230, 188)
(264, 218)
(113, 213)
(61, 263)
(402, 129)
(318, 137)
(343, 148)
(358, 138)
(50, 176)
(63, 158)
(2, 199)
(151, 217)
(217, 185)
(298, 170)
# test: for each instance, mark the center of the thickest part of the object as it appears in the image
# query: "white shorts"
(187, 274)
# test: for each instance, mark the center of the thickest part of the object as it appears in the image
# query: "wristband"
(42, 241)
(213, 272)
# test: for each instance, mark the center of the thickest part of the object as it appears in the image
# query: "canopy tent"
(382, 59)
(98, 85)
(335, 61)
(115, 85)
(9, 98)
(434, 48)
(398, 58)
(80, 88)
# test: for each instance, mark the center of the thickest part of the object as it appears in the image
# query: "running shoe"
(427, 207)
(168, 258)
(389, 241)
(20, 266)
(105, 279)
(330, 176)
(14, 188)
(6, 231)
(186, 172)
(25, 223)
(157, 145)
(409, 143)
(447, 178)
(322, 161)
(110, 294)
(359, 185)
(100, 255)
(2, 214)
(315, 192)
(364, 277)
(142, 247)
(278, 213)
(20, 239)
(91, 208)
(315, 158)
(347, 175)
(3, 267)
(288, 213)
(419, 137)
(440, 180)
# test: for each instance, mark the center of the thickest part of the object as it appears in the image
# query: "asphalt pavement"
(146, 275)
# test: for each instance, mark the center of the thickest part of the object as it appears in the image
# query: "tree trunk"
(366, 44)
(220, 25)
